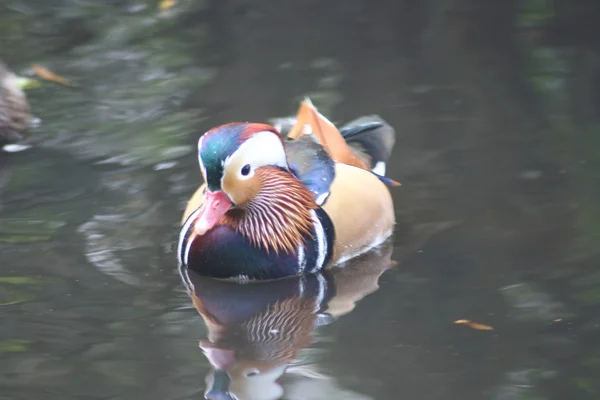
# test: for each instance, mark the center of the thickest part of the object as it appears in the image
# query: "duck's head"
(235, 160)
(233, 378)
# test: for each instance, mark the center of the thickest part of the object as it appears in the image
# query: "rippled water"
(495, 105)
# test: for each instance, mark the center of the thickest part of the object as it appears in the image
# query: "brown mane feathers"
(279, 216)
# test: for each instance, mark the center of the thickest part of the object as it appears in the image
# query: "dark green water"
(496, 106)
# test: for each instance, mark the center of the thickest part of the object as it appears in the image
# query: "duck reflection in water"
(256, 329)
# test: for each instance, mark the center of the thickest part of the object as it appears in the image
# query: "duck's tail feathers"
(371, 138)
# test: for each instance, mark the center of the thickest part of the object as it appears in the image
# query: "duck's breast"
(223, 253)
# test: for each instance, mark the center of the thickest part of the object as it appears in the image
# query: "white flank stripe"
(185, 277)
(321, 241)
(301, 286)
(322, 291)
(301, 259)
(184, 229)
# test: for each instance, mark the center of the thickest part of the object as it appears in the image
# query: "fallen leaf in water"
(474, 325)
(48, 75)
(25, 280)
(18, 280)
(14, 345)
(166, 4)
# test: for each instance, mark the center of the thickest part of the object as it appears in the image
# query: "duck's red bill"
(218, 357)
(215, 206)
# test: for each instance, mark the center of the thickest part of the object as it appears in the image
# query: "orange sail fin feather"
(328, 136)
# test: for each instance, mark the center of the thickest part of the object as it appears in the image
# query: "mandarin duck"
(274, 206)
(256, 330)
(14, 108)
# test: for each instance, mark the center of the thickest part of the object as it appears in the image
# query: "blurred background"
(496, 106)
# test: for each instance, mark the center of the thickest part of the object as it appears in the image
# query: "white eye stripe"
(202, 168)
(263, 148)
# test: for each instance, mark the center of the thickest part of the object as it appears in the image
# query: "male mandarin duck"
(273, 207)
(14, 108)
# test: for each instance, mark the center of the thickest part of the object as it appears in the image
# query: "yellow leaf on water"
(166, 4)
(14, 345)
(19, 280)
(48, 75)
(474, 325)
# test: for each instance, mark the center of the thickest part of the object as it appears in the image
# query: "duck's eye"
(246, 169)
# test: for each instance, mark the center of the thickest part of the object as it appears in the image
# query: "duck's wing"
(312, 165)
(370, 136)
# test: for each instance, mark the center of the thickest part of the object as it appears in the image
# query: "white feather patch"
(263, 148)
(322, 197)
(183, 258)
(322, 292)
(321, 241)
(301, 259)
(379, 168)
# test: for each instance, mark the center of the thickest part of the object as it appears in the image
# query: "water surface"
(495, 105)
